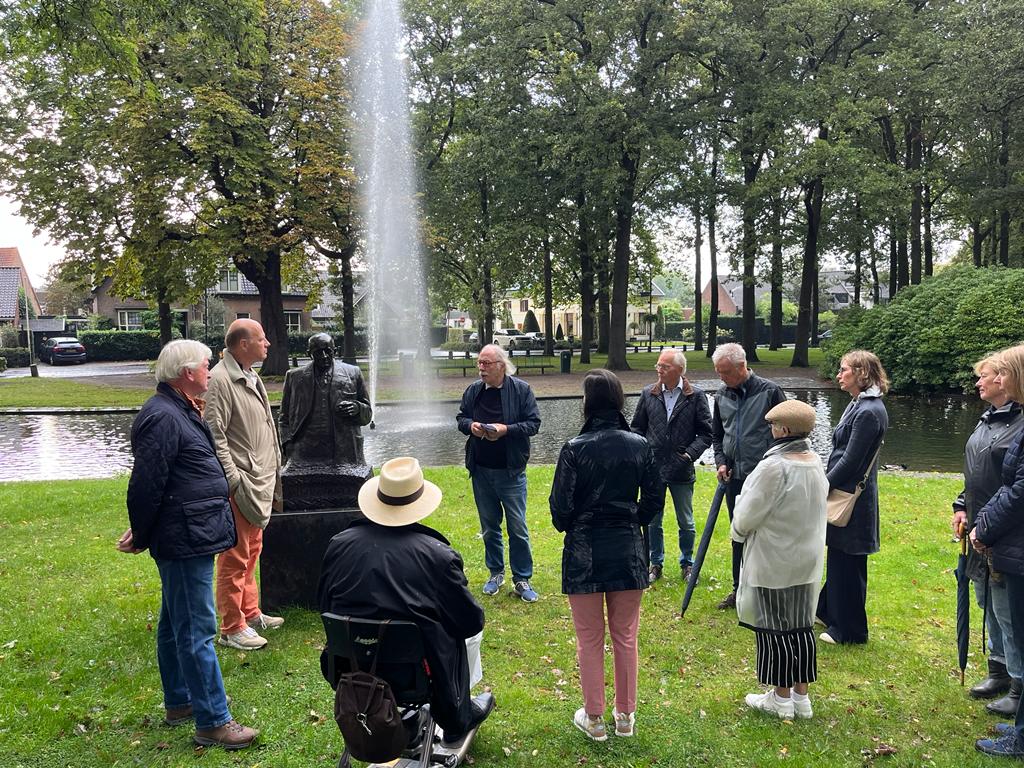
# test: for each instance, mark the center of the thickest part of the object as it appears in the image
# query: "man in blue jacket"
(499, 413)
(179, 510)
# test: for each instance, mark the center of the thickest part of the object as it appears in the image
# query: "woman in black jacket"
(854, 459)
(999, 533)
(605, 556)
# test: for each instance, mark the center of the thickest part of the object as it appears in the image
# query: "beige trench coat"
(245, 436)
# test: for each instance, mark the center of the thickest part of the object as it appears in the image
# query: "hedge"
(3, 364)
(15, 357)
(121, 345)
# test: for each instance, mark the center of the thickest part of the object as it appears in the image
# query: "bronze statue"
(324, 406)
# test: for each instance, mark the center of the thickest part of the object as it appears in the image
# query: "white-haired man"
(675, 418)
(238, 413)
(179, 510)
(740, 433)
(499, 413)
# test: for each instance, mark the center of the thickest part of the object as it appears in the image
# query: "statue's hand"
(348, 408)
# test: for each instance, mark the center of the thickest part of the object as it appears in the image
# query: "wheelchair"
(403, 664)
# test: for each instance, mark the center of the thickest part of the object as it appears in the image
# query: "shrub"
(17, 357)
(460, 346)
(3, 364)
(121, 345)
(530, 323)
(930, 335)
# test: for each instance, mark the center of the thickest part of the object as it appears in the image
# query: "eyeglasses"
(664, 367)
(486, 363)
(844, 369)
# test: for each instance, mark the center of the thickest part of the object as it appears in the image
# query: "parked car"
(536, 339)
(511, 339)
(62, 349)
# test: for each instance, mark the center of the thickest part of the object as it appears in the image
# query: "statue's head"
(321, 349)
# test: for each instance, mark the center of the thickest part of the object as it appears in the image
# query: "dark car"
(62, 349)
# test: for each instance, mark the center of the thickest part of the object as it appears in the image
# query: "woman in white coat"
(780, 518)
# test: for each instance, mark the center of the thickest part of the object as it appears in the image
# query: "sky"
(36, 252)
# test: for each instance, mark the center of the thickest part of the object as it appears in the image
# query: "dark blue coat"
(687, 431)
(854, 442)
(177, 495)
(521, 416)
(1000, 523)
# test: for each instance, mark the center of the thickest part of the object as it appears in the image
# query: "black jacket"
(522, 417)
(983, 465)
(594, 503)
(739, 432)
(409, 572)
(177, 495)
(1000, 523)
(856, 438)
(687, 431)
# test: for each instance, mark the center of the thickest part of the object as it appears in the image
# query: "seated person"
(389, 566)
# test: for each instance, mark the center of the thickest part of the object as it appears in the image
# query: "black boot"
(1007, 706)
(996, 684)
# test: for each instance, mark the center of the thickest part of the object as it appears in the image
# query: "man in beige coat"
(238, 413)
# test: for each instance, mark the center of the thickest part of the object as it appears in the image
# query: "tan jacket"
(245, 436)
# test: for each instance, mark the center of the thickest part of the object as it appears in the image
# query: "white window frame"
(228, 281)
(123, 320)
(293, 320)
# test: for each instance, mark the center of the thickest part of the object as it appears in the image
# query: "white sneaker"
(770, 703)
(802, 708)
(825, 637)
(246, 640)
(625, 722)
(263, 621)
(593, 727)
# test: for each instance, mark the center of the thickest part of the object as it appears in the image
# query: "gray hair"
(679, 359)
(731, 352)
(502, 355)
(178, 355)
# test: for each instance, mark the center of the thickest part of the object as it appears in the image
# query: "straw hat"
(398, 495)
(799, 417)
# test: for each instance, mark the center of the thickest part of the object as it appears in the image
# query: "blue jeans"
(189, 671)
(682, 500)
(1001, 644)
(498, 492)
(1015, 600)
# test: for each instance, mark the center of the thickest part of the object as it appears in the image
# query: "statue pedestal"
(319, 501)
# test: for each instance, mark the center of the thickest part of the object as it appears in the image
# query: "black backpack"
(367, 713)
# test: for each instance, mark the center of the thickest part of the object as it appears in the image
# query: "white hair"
(502, 355)
(731, 352)
(679, 359)
(178, 355)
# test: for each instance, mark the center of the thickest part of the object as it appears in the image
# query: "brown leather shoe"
(177, 715)
(729, 601)
(232, 735)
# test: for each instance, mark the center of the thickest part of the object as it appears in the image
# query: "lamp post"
(650, 306)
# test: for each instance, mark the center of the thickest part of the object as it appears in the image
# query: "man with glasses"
(499, 413)
(675, 418)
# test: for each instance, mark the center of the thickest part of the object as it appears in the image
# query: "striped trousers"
(785, 658)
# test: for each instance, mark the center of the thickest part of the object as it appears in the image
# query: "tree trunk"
(976, 239)
(775, 314)
(713, 249)
(620, 266)
(928, 247)
(814, 192)
(1004, 174)
(858, 251)
(894, 260)
(265, 273)
(586, 279)
(914, 157)
(348, 310)
(751, 166)
(902, 257)
(698, 293)
(604, 283)
(876, 291)
(549, 312)
(163, 309)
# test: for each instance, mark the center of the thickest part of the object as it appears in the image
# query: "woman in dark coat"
(854, 459)
(999, 533)
(605, 557)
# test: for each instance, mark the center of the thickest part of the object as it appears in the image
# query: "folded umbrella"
(702, 548)
(963, 605)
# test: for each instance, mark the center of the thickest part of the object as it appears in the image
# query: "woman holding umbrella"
(997, 428)
(594, 503)
(780, 520)
(999, 533)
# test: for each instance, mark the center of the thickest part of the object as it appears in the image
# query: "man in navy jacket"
(499, 413)
(179, 510)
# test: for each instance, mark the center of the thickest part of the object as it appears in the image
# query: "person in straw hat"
(780, 520)
(391, 566)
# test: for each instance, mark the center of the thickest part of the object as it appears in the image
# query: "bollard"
(451, 354)
(295, 361)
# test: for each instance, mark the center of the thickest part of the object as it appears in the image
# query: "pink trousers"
(238, 597)
(588, 615)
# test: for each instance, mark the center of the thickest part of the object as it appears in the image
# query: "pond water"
(925, 434)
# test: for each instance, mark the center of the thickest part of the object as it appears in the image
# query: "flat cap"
(799, 417)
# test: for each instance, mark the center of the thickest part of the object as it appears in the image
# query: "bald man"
(245, 437)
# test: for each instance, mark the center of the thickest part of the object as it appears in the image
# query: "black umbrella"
(963, 605)
(702, 548)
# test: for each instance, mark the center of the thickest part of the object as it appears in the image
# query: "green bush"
(530, 323)
(16, 357)
(460, 346)
(3, 364)
(930, 335)
(121, 345)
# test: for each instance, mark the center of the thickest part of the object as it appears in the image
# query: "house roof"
(48, 325)
(10, 258)
(10, 279)
(248, 288)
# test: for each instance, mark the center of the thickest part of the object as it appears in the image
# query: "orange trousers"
(238, 597)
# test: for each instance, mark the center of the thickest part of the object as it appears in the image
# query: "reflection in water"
(924, 434)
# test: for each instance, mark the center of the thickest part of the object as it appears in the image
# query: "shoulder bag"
(839, 505)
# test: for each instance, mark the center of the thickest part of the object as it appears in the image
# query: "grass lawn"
(28, 392)
(81, 688)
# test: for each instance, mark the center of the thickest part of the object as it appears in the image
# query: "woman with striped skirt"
(780, 519)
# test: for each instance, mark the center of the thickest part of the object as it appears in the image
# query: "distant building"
(836, 284)
(13, 276)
